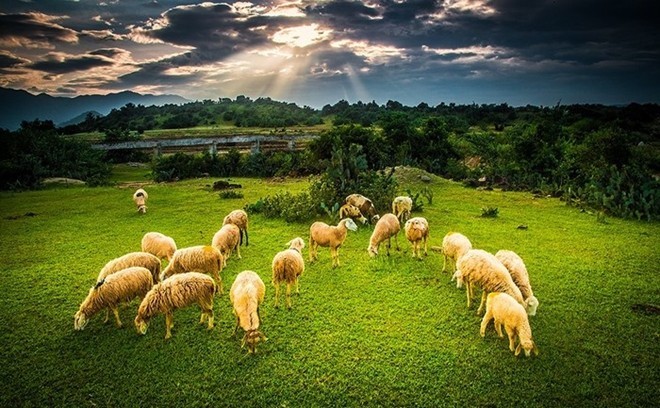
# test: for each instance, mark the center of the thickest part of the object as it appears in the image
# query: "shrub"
(490, 212)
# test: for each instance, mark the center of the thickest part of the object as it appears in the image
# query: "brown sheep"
(240, 219)
(365, 206)
(201, 258)
(417, 231)
(287, 267)
(386, 228)
(246, 295)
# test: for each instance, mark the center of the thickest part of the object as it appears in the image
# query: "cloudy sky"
(315, 52)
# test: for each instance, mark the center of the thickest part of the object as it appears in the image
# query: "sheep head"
(251, 339)
(351, 211)
(528, 346)
(142, 209)
(296, 243)
(141, 325)
(459, 279)
(531, 304)
(375, 218)
(373, 251)
(80, 320)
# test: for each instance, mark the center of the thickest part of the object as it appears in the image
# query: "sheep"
(179, 291)
(322, 234)
(159, 245)
(417, 231)
(454, 245)
(507, 312)
(246, 294)
(108, 293)
(201, 258)
(351, 211)
(226, 240)
(365, 206)
(401, 207)
(478, 267)
(287, 267)
(516, 267)
(240, 219)
(387, 227)
(143, 259)
(140, 199)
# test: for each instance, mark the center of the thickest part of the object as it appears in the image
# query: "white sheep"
(365, 205)
(119, 287)
(402, 207)
(507, 312)
(159, 245)
(387, 227)
(454, 245)
(143, 259)
(201, 258)
(181, 290)
(140, 199)
(417, 231)
(516, 267)
(480, 268)
(351, 211)
(246, 295)
(227, 240)
(287, 267)
(240, 219)
(322, 234)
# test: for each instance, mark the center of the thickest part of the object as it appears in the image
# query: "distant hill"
(18, 106)
(79, 118)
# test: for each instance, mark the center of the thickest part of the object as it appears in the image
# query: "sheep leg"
(426, 252)
(396, 241)
(236, 326)
(444, 263)
(168, 325)
(216, 275)
(238, 251)
(288, 295)
(277, 296)
(389, 244)
(335, 257)
(484, 295)
(209, 317)
(498, 328)
(512, 337)
(107, 315)
(115, 311)
(297, 285)
(247, 241)
(484, 323)
(468, 290)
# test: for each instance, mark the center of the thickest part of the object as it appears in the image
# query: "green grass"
(374, 332)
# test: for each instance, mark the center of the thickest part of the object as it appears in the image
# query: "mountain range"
(18, 105)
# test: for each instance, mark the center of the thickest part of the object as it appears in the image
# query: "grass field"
(374, 332)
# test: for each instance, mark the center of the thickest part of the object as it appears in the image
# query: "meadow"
(390, 331)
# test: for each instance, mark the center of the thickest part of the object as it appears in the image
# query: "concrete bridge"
(252, 143)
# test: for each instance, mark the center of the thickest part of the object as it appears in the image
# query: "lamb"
(516, 267)
(417, 231)
(143, 259)
(179, 291)
(108, 293)
(240, 219)
(478, 267)
(287, 267)
(386, 228)
(454, 245)
(246, 295)
(158, 245)
(201, 258)
(227, 240)
(322, 234)
(140, 199)
(401, 207)
(351, 211)
(507, 312)
(365, 206)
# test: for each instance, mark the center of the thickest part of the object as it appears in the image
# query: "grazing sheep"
(122, 286)
(246, 294)
(158, 245)
(143, 259)
(287, 267)
(401, 207)
(226, 240)
(454, 245)
(516, 267)
(365, 206)
(478, 267)
(179, 291)
(322, 234)
(386, 228)
(417, 231)
(351, 211)
(240, 219)
(507, 312)
(140, 199)
(201, 258)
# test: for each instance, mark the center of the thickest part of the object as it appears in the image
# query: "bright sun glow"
(301, 36)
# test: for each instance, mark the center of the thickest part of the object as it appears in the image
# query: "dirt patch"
(64, 181)
(646, 309)
(407, 174)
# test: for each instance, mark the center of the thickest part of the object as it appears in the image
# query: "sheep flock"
(193, 274)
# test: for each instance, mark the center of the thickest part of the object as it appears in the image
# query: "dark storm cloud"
(8, 60)
(33, 30)
(71, 64)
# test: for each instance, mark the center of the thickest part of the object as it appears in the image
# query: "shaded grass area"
(374, 332)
